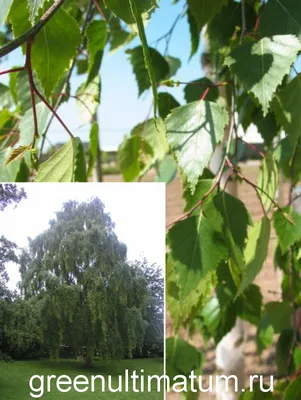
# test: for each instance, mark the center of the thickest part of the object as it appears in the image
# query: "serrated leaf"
(182, 357)
(148, 60)
(288, 229)
(293, 391)
(283, 350)
(133, 155)
(6, 100)
(194, 33)
(8, 173)
(196, 249)
(193, 131)
(279, 315)
(80, 171)
(49, 60)
(204, 10)
(118, 36)
(283, 155)
(167, 170)
(96, 41)
(17, 154)
(202, 187)
(61, 166)
(235, 224)
(123, 9)
(154, 133)
(225, 25)
(88, 99)
(34, 6)
(250, 304)
(256, 251)
(166, 103)
(174, 64)
(271, 59)
(268, 180)
(27, 124)
(160, 67)
(287, 13)
(93, 147)
(287, 108)
(194, 90)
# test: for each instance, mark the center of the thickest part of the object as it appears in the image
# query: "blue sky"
(121, 109)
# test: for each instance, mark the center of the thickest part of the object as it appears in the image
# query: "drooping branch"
(31, 33)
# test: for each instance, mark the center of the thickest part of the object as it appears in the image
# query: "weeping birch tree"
(90, 298)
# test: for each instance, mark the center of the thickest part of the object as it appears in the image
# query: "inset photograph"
(82, 290)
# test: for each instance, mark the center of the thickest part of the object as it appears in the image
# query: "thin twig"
(99, 9)
(31, 87)
(243, 21)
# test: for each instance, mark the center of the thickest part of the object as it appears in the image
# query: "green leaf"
(193, 131)
(287, 108)
(6, 100)
(88, 99)
(287, 225)
(148, 55)
(123, 9)
(8, 172)
(293, 391)
(283, 154)
(27, 124)
(196, 249)
(80, 172)
(160, 67)
(287, 13)
(279, 315)
(34, 8)
(61, 166)
(268, 180)
(182, 358)
(155, 135)
(194, 33)
(49, 60)
(204, 10)
(118, 36)
(167, 170)
(201, 189)
(166, 103)
(93, 147)
(235, 225)
(4, 10)
(133, 156)
(224, 27)
(250, 304)
(267, 126)
(194, 90)
(256, 251)
(96, 41)
(271, 59)
(283, 350)
(22, 91)
(265, 334)
(174, 64)
(218, 318)
(256, 393)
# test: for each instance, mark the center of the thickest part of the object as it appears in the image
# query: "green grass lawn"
(15, 376)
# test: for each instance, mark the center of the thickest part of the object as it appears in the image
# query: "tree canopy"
(82, 292)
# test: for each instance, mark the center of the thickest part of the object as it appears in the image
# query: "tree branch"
(33, 31)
